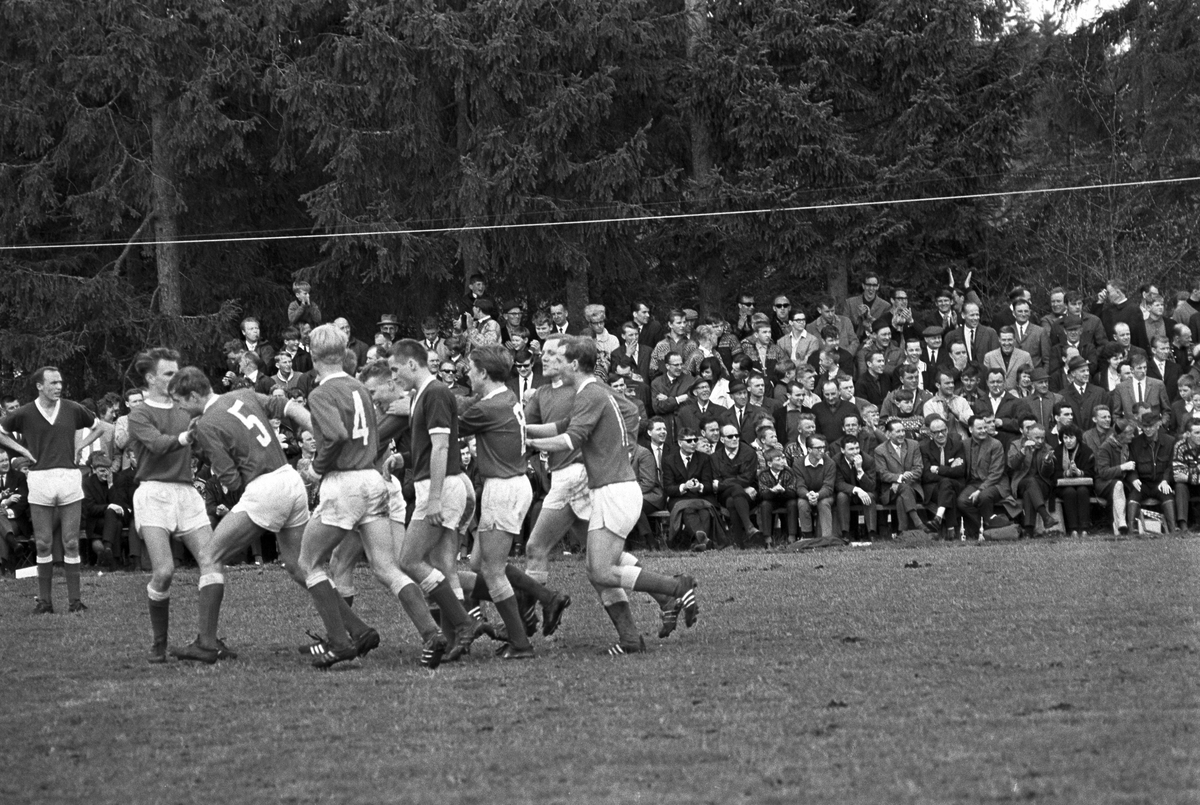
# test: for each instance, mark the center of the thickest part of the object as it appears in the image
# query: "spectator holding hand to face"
(303, 308)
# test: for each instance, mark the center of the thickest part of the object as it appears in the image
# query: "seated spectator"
(765, 439)
(650, 478)
(796, 449)
(1074, 478)
(907, 414)
(1112, 464)
(777, 487)
(1185, 469)
(15, 523)
(688, 484)
(943, 474)
(285, 376)
(1109, 376)
(735, 472)
(107, 509)
(856, 480)
(301, 360)
(970, 385)
(815, 478)
(831, 411)
(910, 380)
(713, 370)
(898, 461)
(1031, 472)
(743, 415)
(676, 342)
(710, 435)
(762, 350)
(699, 407)
(1140, 389)
(876, 382)
(880, 343)
(1001, 407)
(985, 477)
(947, 403)
(302, 308)
(1152, 454)
(252, 374)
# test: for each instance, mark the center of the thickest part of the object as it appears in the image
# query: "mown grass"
(1045, 671)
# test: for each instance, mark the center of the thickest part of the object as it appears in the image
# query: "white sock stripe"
(315, 578)
(72, 560)
(209, 579)
(155, 595)
(45, 560)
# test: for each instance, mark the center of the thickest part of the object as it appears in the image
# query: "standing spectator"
(285, 377)
(514, 316)
(1140, 390)
(827, 316)
(831, 411)
(302, 308)
(781, 310)
(901, 316)
(432, 339)
(1114, 307)
(948, 318)
(978, 338)
(1002, 408)
(476, 289)
(359, 348)
(743, 319)
(1161, 367)
(650, 330)
(1080, 393)
(635, 351)
(559, 322)
(1031, 338)
(389, 328)
(301, 360)
(798, 344)
(483, 329)
(676, 341)
(670, 390)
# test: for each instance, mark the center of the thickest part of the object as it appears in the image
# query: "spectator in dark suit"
(831, 411)
(15, 521)
(526, 377)
(650, 331)
(978, 338)
(856, 480)
(777, 487)
(744, 415)
(650, 481)
(107, 509)
(1031, 467)
(735, 476)
(985, 477)
(1152, 454)
(1002, 407)
(1080, 393)
(633, 349)
(1161, 367)
(943, 473)
(688, 484)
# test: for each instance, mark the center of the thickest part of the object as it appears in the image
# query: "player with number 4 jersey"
(244, 453)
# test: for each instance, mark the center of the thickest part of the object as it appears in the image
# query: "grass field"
(1044, 671)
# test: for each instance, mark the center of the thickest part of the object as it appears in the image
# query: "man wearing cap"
(1069, 344)
(699, 408)
(1152, 454)
(389, 328)
(1040, 404)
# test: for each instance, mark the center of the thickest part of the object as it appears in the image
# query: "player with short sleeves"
(246, 458)
(48, 426)
(444, 495)
(354, 494)
(596, 425)
(166, 503)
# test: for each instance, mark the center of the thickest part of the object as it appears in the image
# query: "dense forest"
(168, 167)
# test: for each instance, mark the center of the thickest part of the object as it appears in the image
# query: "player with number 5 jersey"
(246, 458)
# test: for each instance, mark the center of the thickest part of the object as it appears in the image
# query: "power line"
(603, 221)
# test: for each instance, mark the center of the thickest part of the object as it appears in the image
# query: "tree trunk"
(711, 289)
(837, 280)
(165, 200)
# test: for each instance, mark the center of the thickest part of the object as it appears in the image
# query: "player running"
(597, 427)
(244, 453)
(354, 495)
(48, 426)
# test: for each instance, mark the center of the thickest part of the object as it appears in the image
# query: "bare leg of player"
(549, 528)
(611, 579)
(315, 549)
(428, 549)
(342, 563)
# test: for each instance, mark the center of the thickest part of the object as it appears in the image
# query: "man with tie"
(899, 463)
(558, 319)
(933, 355)
(1030, 338)
(1001, 408)
(743, 415)
(948, 318)
(979, 339)
(1080, 392)
(637, 353)
(1161, 367)
(647, 465)
(1139, 390)
(525, 379)
(688, 483)
(1008, 358)
(856, 480)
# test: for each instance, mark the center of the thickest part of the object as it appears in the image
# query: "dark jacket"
(675, 473)
(1152, 458)
(742, 469)
(931, 456)
(845, 479)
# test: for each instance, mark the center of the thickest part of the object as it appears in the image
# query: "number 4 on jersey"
(360, 420)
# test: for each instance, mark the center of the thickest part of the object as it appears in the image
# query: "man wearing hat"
(933, 355)
(107, 509)
(389, 328)
(1152, 453)
(1040, 404)
(1068, 344)
(1080, 392)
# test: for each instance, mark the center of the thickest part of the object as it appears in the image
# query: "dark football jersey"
(344, 427)
(236, 436)
(154, 430)
(549, 404)
(52, 443)
(434, 410)
(498, 424)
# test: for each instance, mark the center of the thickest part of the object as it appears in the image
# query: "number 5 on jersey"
(252, 422)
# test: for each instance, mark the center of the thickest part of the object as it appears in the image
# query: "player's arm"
(475, 420)
(279, 408)
(220, 460)
(438, 455)
(143, 429)
(13, 446)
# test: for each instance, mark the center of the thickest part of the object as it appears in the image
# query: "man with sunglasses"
(735, 470)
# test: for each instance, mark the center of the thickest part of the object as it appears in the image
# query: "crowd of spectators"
(815, 422)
